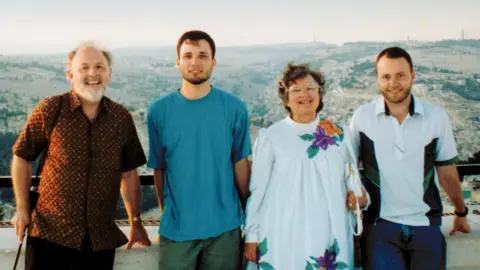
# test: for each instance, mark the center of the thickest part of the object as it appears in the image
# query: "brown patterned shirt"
(80, 182)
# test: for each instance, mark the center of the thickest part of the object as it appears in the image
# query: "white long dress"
(296, 211)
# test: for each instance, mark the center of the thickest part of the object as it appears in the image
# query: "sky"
(54, 26)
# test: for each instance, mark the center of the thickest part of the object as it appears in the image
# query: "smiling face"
(303, 96)
(394, 78)
(195, 61)
(89, 73)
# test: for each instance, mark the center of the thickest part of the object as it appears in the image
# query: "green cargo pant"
(222, 252)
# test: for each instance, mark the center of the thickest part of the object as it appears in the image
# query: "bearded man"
(92, 153)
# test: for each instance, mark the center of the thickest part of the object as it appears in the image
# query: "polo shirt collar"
(416, 107)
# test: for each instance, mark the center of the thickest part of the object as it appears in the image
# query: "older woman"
(296, 216)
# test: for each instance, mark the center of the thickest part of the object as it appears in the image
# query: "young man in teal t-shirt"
(199, 143)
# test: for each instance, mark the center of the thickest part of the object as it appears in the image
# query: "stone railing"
(462, 251)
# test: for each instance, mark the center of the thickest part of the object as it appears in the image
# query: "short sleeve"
(156, 155)
(446, 147)
(32, 139)
(133, 155)
(262, 166)
(241, 146)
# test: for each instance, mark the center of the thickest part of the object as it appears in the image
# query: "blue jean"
(391, 246)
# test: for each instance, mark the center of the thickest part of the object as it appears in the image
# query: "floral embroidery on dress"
(328, 260)
(261, 251)
(326, 134)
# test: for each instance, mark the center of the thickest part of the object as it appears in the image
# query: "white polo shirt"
(399, 160)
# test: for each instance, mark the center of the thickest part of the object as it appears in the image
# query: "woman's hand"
(250, 251)
(351, 200)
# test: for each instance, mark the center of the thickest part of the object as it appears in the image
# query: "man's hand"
(20, 221)
(250, 252)
(449, 180)
(460, 224)
(351, 200)
(139, 235)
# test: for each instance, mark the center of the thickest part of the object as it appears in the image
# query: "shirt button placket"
(89, 168)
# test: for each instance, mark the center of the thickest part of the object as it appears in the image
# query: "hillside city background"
(448, 74)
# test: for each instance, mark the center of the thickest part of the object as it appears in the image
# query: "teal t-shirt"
(197, 143)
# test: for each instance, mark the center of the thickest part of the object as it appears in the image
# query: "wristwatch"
(458, 214)
(135, 219)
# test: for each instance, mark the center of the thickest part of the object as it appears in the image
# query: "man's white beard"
(89, 94)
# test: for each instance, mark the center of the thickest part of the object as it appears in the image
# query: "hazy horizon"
(50, 26)
(169, 47)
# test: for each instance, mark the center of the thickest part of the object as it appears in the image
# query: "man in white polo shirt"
(407, 149)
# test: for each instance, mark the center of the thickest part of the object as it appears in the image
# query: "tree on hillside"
(6, 142)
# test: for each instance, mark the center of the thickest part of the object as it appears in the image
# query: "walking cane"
(18, 254)
(34, 195)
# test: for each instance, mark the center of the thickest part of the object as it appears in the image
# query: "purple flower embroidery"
(321, 139)
(327, 261)
(327, 133)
